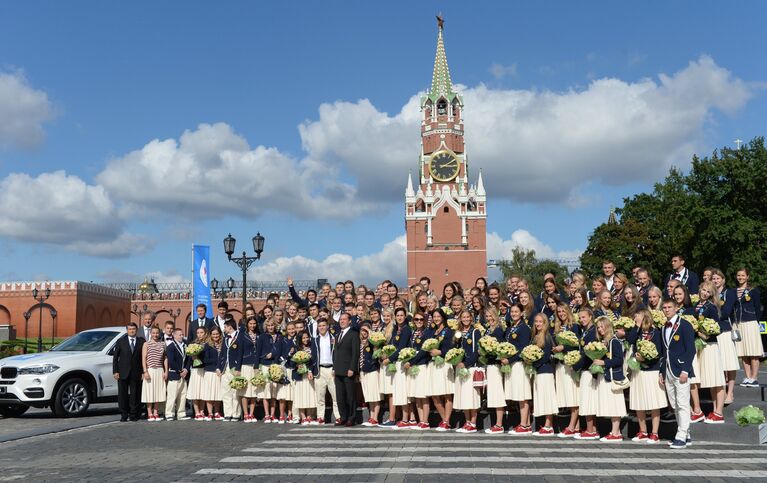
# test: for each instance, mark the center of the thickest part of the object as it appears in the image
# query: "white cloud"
(499, 71)
(61, 209)
(538, 146)
(389, 263)
(23, 110)
(501, 249)
(212, 171)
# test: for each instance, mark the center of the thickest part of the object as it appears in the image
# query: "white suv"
(69, 378)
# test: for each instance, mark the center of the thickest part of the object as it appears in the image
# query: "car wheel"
(72, 399)
(12, 410)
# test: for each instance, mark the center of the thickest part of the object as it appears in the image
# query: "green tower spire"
(441, 84)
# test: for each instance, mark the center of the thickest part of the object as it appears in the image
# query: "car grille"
(8, 372)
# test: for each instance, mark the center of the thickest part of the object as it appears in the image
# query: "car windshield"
(87, 341)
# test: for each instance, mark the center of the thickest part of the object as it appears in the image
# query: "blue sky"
(575, 106)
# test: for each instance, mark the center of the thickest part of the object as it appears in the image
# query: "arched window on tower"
(456, 110)
(427, 109)
(472, 206)
(442, 107)
(420, 206)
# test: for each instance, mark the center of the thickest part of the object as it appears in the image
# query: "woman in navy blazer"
(709, 360)
(466, 397)
(646, 394)
(544, 392)
(611, 403)
(516, 384)
(727, 348)
(746, 312)
(269, 351)
(400, 338)
(249, 366)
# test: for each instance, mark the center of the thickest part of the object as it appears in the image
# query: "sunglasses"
(418, 318)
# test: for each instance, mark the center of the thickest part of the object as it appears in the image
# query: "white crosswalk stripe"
(317, 452)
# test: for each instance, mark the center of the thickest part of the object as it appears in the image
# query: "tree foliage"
(716, 215)
(524, 263)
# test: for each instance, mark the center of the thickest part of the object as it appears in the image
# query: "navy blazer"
(498, 335)
(679, 350)
(286, 350)
(587, 336)
(267, 346)
(654, 336)
(544, 365)
(691, 283)
(445, 338)
(309, 365)
(470, 344)
(249, 350)
(316, 352)
(519, 336)
(400, 340)
(709, 311)
(368, 363)
(421, 357)
(177, 361)
(231, 353)
(614, 361)
(602, 312)
(209, 357)
(727, 298)
(747, 310)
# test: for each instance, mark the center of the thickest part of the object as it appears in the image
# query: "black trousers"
(128, 397)
(346, 397)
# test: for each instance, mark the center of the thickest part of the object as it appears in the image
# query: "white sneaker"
(169, 418)
(183, 418)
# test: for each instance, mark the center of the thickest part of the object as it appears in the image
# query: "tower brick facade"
(445, 216)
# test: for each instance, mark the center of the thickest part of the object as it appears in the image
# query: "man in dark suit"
(202, 320)
(683, 274)
(346, 363)
(127, 369)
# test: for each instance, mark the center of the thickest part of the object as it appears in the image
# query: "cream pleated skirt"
(420, 383)
(268, 390)
(304, 396)
(371, 388)
(400, 386)
(441, 379)
(385, 381)
(285, 391)
(496, 397)
(750, 344)
(696, 368)
(611, 403)
(211, 387)
(517, 385)
(248, 372)
(466, 396)
(154, 390)
(727, 351)
(646, 393)
(711, 372)
(194, 389)
(544, 395)
(589, 394)
(568, 392)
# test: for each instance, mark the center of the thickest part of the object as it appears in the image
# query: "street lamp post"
(244, 262)
(53, 327)
(214, 286)
(140, 313)
(41, 299)
(174, 314)
(27, 315)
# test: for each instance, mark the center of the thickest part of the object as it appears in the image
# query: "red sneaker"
(521, 430)
(443, 426)
(320, 420)
(218, 417)
(697, 417)
(714, 418)
(544, 431)
(586, 435)
(567, 433)
(652, 438)
(640, 437)
(402, 425)
(612, 438)
(422, 426)
(496, 429)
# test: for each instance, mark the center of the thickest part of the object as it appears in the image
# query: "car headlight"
(44, 369)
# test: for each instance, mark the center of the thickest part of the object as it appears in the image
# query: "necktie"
(202, 323)
(668, 325)
(132, 344)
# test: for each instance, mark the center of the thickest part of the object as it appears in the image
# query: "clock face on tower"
(443, 166)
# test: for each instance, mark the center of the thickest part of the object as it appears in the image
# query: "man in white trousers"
(323, 345)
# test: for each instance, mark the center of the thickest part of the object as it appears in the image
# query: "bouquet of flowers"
(276, 373)
(384, 352)
(566, 338)
(431, 344)
(453, 324)
(487, 347)
(480, 328)
(238, 383)
(658, 319)
(692, 320)
(259, 380)
(455, 356)
(447, 310)
(529, 355)
(576, 318)
(625, 323)
(647, 350)
(708, 327)
(414, 370)
(377, 339)
(504, 350)
(194, 350)
(595, 350)
(572, 358)
(301, 358)
(695, 298)
(406, 354)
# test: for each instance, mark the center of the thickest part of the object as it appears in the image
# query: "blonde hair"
(568, 316)
(647, 321)
(540, 336)
(607, 325)
(389, 329)
(714, 299)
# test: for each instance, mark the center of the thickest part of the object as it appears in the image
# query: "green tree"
(525, 264)
(716, 215)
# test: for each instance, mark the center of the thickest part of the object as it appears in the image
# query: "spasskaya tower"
(445, 216)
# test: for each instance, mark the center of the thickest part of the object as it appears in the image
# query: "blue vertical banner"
(201, 278)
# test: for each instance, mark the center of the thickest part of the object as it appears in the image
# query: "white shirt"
(312, 327)
(147, 332)
(167, 341)
(609, 282)
(343, 333)
(220, 323)
(326, 354)
(667, 331)
(132, 342)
